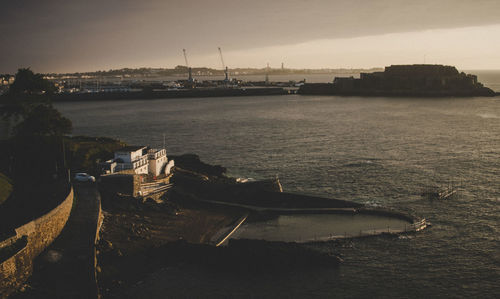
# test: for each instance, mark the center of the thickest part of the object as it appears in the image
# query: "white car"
(84, 177)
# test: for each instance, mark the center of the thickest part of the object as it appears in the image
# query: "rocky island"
(419, 80)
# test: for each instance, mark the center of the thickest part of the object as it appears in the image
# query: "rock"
(106, 245)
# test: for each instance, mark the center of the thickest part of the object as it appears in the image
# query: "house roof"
(131, 148)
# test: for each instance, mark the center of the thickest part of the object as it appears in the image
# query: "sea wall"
(39, 234)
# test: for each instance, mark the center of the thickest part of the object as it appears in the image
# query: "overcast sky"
(67, 36)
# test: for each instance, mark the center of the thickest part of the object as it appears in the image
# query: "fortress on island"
(404, 80)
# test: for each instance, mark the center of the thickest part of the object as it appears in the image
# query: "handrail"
(149, 191)
(155, 186)
(417, 226)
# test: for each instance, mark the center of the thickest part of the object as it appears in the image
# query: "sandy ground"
(128, 250)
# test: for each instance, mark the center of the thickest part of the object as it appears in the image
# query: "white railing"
(147, 190)
(413, 227)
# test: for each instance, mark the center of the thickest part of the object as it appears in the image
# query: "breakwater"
(165, 94)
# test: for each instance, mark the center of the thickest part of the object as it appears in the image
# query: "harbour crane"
(185, 57)
(190, 78)
(224, 67)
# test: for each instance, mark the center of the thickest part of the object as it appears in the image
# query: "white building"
(157, 160)
(141, 159)
(132, 157)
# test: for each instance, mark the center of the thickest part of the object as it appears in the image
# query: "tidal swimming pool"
(317, 227)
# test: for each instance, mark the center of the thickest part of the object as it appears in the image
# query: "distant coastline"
(394, 81)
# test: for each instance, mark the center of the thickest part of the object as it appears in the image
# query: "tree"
(29, 83)
(28, 101)
(43, 120)
(28, 91)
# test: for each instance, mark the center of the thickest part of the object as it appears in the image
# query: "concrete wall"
(156, 164)
(40, 233)
(169, 166)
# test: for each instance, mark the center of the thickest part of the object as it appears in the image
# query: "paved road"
(66, 268)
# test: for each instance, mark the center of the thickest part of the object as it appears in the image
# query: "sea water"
(376, 151)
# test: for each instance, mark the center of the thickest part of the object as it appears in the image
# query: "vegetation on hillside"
(33, 156)
(85, 153)
(34, 151)
(28, 101)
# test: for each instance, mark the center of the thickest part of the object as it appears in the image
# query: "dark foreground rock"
(251, 255)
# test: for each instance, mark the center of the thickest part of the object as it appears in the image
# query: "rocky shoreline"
(139, 238)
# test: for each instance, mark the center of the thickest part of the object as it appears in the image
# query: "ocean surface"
(377, 151)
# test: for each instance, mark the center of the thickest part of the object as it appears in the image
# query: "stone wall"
(123, 183)
(100, 220)
(40, 233)
(15, 271)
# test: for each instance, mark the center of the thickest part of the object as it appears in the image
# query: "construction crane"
(185, 57)
(224, 67)
(190, 78)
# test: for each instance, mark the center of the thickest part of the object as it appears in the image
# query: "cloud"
(467, 48)
(57, 35)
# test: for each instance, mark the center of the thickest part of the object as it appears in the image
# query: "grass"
(5, 187)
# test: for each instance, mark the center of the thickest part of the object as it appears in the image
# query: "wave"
(488, 115)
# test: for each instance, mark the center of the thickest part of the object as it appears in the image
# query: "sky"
(70, 36)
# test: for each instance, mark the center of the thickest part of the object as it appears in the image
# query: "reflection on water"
(310, 227)
(377, 151)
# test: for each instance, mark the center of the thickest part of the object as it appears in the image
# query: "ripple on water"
(376, 150)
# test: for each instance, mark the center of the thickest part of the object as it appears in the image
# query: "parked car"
(84, 177)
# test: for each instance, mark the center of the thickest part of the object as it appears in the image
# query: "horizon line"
(249, 68)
